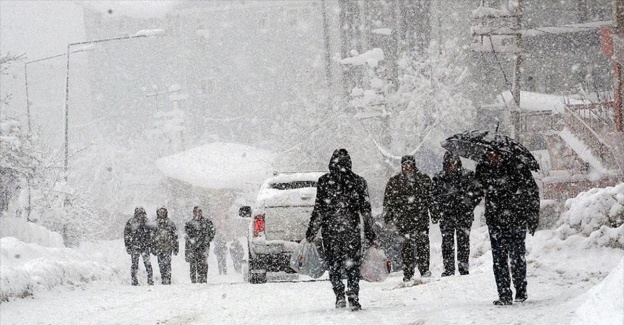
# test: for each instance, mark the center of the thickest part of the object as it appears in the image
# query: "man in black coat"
(199, 233)
(165, 243)
(455, 195)
(341, 200)
(138, 242)
(511, 208)
(407, 203)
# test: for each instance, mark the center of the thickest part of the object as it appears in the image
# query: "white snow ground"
(574, 278)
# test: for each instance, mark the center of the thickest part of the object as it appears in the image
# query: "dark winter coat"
(408, 202)
(199, 234)
(455, 194)
(511, 195)
(138, 235)
(165, 237)
(341, 198)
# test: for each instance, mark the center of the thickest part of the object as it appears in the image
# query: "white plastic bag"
(307, 260)
(375, 265)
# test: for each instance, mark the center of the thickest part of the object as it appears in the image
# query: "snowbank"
(28, 268)
(29, 232)
(604, 301)
(597, 214)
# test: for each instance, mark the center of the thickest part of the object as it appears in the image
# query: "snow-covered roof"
(565, 29)
(133, 9)
(219, 165)
(534, 102)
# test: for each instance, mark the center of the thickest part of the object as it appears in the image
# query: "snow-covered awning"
(565, 29)
(531, 101)
(219, 165)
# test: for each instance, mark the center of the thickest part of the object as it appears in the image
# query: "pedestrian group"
(342, 212)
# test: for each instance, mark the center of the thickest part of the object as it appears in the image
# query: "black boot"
(354, 303)
(502, 302)
(340, 301)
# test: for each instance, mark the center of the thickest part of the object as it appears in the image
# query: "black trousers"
(134, 255)
(449, 232)
(164, 263)
(344, 258)
(508, 248)
(198, 268)
(415, 244)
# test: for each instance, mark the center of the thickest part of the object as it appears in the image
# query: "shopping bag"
(375, 265)
(308, 260)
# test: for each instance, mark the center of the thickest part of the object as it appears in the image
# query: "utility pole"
(518, 55)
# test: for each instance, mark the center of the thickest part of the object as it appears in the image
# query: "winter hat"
(408, 159)
(163, 209)
(139, 211)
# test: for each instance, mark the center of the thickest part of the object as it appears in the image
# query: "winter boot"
(447, 273)
(521, 297)
(502, 302)
(426, 274)
(340, 301)
(354, 303)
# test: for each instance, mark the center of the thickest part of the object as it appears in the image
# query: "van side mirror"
(244, 211)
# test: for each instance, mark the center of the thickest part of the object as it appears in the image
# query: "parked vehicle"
(279, 222)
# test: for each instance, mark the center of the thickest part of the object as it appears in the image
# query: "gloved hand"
(309, 239)
(434, 221)
(372, 244)
(175, 251)
(532, 230)
(129, 251)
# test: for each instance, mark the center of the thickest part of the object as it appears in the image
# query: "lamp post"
(26, 81)
(140, 34)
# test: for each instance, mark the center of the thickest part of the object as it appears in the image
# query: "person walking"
(511, 208)
(455, 195)
(341, 200)
(407, 203)
(165, 243)
(221, 250)
(138, 242)
(199, 233)
(237, 252)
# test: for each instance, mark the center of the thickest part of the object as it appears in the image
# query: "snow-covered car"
(279, 222)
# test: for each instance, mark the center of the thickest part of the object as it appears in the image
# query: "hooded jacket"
(341, 198)
(165, 236)
(137, 234)
(455, 193)
(408, 201)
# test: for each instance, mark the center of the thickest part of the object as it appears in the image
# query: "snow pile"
(597, 214)
(604, 301)
(371, 57)
(28, 268)
(29, 232)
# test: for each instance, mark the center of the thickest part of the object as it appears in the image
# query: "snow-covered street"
(561, 274)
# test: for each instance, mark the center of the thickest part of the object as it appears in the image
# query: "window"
(293, 185)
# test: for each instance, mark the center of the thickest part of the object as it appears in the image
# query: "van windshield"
(292, 185)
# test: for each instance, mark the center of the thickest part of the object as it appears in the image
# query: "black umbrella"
(470, 144)
(474, 144)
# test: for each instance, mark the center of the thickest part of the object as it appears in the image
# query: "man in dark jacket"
(138, 240)
(511, 207)
(341, 200)
(199, 232)
(407, 204)
(165, 243)
(455, 195)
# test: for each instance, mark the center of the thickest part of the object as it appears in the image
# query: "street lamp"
(26, 80)
(142, 33)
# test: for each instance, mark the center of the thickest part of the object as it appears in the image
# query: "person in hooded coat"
(341, 200)
(456, 195)
(407, 203)
(165, 244)
(199, 233)
(138, 242)
(511, 208)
